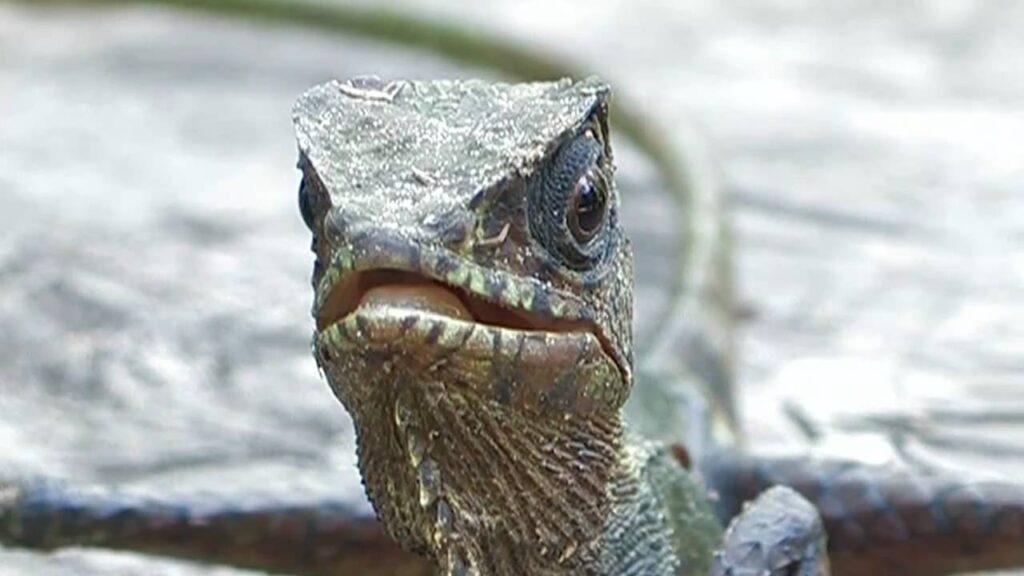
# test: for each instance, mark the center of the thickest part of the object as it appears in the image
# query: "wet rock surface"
(154, 323)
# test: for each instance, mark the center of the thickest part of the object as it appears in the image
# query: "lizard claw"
(779, 534)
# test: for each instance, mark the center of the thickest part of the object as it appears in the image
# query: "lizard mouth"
(382, 294)
(377, 320)
(402, 290)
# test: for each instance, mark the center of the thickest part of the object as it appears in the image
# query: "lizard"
(475, 320)
(474, 315)
(418, 271)
(330, 538)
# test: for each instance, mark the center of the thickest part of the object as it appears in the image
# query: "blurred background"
(154, 296)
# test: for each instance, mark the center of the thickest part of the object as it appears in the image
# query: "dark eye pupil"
(586, 213)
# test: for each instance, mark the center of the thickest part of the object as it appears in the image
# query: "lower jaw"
(537, 371)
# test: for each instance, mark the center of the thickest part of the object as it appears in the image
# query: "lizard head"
(473, 287)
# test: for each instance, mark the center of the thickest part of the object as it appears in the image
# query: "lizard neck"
(487, 489)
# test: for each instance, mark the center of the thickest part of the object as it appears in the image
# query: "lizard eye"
(588, 203)
(569, 206)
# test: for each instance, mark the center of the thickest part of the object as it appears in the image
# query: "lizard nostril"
(306, 203)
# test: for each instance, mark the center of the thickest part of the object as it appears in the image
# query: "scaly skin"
(474, 310)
